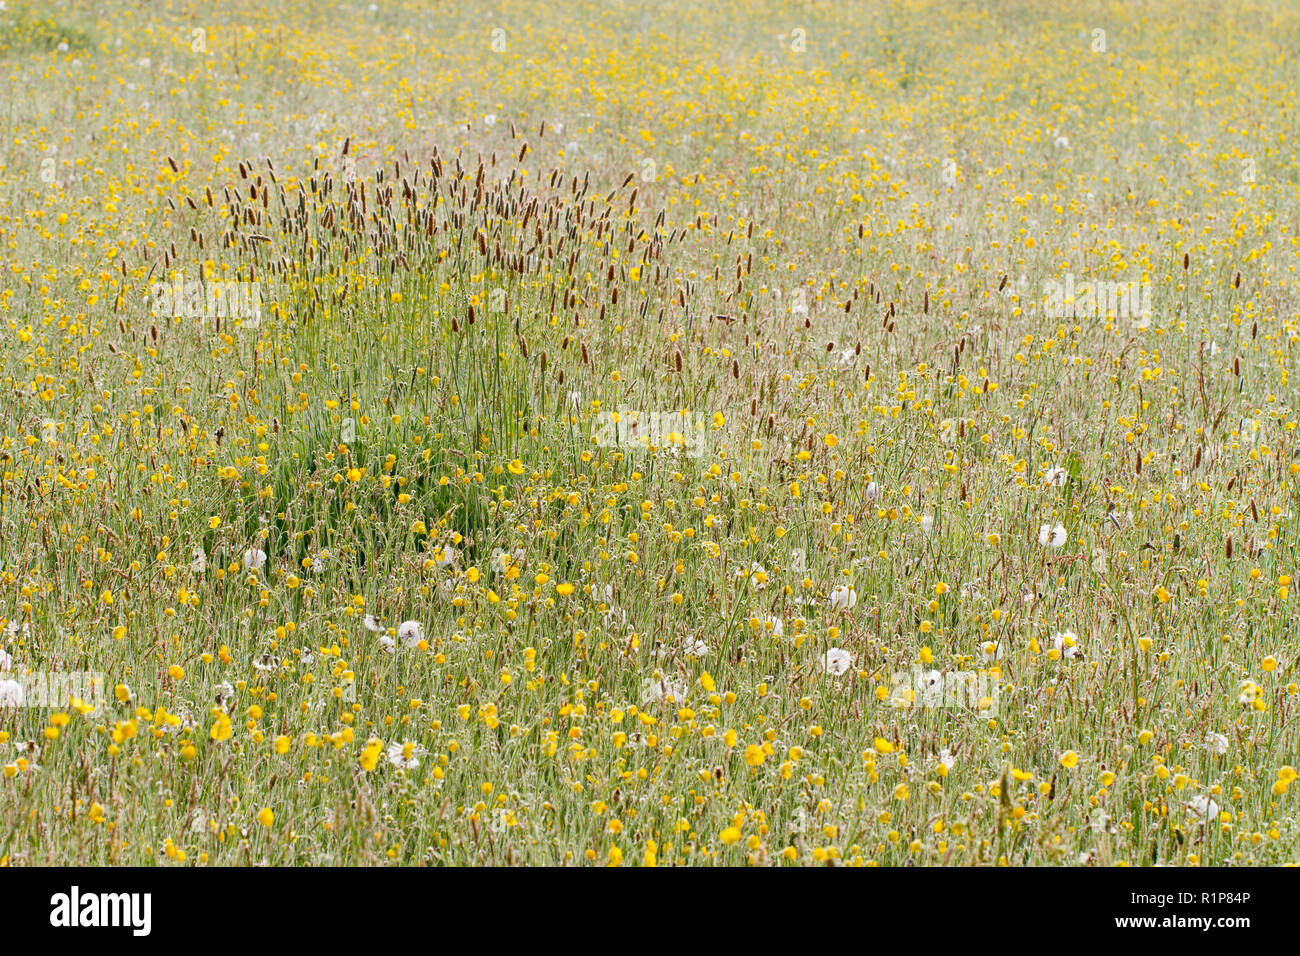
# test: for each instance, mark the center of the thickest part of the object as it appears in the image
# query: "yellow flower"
(266, 817)
(370, 755)
(221, 727)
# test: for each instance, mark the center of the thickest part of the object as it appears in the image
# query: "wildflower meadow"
(695, 434)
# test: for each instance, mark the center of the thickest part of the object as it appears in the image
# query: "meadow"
(597, 433)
